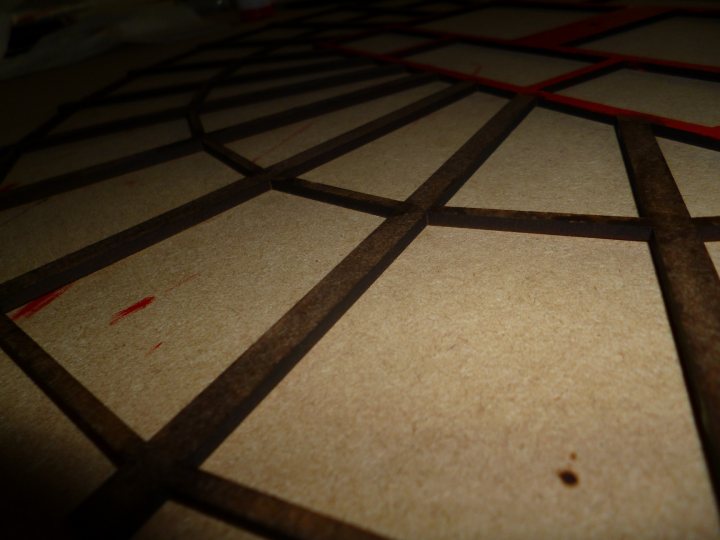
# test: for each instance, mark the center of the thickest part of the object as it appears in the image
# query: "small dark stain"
(568, 478)
(573, 456)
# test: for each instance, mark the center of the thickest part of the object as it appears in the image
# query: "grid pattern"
(166, 467)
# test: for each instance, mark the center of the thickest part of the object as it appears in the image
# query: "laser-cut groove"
(346, 198)
(668, 254)
(106, 430)
(588, 226)
(214, 413)
(688, 280)
(257, 511)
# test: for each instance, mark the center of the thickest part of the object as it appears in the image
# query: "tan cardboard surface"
(479, 368)
(156, 80)
(654, 93)
(96, 115)
(46, 463)
(383, 43)
(508, 23)
(177, 522)
(396, 164)
(210, 292)
(236, 115)
(683, 39)
(64, 158)
(64, 223)
(553, 162)
(252, 86)
(278, 144)
(697, 174)
(507, 66)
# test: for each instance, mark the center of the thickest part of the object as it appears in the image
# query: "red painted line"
(592, 26)
(31, 308)
(154, 348)
(569, 76)
(710, 132)
(137, 306)
(183, 281)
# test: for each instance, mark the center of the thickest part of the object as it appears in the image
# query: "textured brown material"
(258, 511)
(214, 413)
(687, 276)
(543, 222)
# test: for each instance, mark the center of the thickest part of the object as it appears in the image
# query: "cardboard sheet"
(396, 164)
(507, 66)
(150, 332)
(553, 162)
(508, 23)
(490, 385)
(654, 93)
(65, 223)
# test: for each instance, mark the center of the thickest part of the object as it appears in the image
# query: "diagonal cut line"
(114, 438)
(588, 226)
(104, 171)
(97, 173)
(130, 496)
(324, 106)
(255, 76)
(347, 198)
(257, 511)
(53, 275)
(688, 280)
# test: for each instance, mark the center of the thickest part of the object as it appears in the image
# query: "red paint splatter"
(137, 306)
(183, 281)
(154, 348)
(284, 141)
(31, 308)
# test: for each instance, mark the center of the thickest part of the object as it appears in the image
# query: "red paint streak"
(154, 348)
(31, 308)
(183, 281)
(284, 141)
(137, 306)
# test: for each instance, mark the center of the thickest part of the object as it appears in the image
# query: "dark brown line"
(97, 173)
(346, 198)
(222, 63)
(292, 89)
(323, 152)
(229, 157)
(256, 76)
(688, 280)
(126, 500)
(114, 438)
(112, 126)
(100, 254)
(708, 228)
(256, 511)
(449, 178)
(589, 226)
(20, 290)
(173, 113)
(304, 112)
